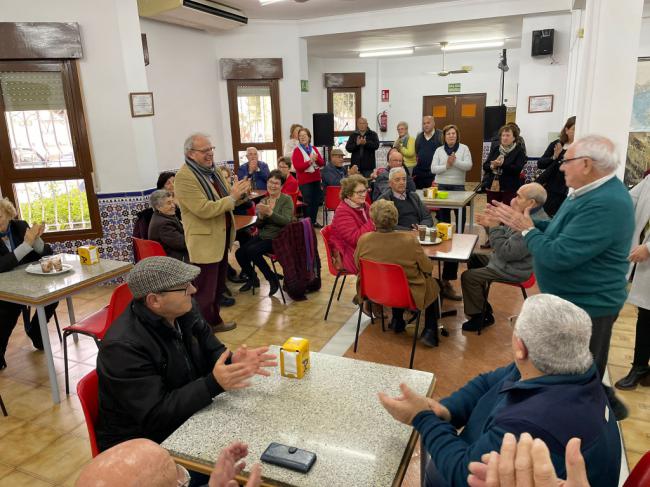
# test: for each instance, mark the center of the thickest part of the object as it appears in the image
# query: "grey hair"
(600, 149)
(157, 197)
(189, 142)
(537, 193)
(556, 334)
(8, 208)
(406, 125)
(253, 148)
(394, 171)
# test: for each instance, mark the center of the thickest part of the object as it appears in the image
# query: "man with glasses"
(551, 390)
(160, 363)
(411, 211)
(206, 201)
(581, 254)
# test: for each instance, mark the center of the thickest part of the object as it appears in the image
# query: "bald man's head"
(130, 464)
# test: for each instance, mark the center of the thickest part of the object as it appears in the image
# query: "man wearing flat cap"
(160, 363)
(334, 171)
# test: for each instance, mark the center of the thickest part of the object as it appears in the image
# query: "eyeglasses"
(359, 193)
(183, 477)
(186, 290)
(204, 151)
(564, 161)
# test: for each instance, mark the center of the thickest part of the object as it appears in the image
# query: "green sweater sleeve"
(578, 242)
(283, 212)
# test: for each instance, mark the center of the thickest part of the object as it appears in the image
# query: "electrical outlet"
(581, 33)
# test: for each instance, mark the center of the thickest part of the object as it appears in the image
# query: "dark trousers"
(601, 333)
(9, 313)
(450, 269)
(251, 251)
(211, 284)
(642, 341)
(312, 197)
(430, 316)
(473, 282)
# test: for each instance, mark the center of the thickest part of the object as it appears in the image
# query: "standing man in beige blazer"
(206, 201)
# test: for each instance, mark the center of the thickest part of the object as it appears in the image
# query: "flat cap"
(155, 274)
(337, 152)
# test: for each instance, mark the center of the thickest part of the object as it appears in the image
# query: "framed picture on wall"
(540, 104)
(141, 104)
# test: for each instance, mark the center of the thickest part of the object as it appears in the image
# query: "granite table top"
(19, 286)
(333, 411)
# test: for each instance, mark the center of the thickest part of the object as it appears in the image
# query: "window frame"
(83, 168)
(357, 106)
(233, 108)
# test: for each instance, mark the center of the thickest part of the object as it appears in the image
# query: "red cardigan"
(290, 185)
(347, 227)
(299, 163)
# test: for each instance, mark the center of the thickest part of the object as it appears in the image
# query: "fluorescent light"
(393, 52)
(269, 2)
(472, 45)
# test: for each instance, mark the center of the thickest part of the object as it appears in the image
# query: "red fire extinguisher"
(382, 121)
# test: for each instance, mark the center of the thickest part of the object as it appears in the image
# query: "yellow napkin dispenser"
(88, 254)
(445, 230)
(294, 358)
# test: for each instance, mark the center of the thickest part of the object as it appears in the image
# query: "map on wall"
(639, 143)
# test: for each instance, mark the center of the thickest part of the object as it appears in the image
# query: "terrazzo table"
(333, 411)
(17, 286)
(457, 200)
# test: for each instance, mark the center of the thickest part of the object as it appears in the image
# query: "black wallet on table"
(289, 457)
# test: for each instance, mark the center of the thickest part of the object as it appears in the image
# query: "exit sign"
(453, 88)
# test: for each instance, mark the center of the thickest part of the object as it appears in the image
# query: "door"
(467, 112)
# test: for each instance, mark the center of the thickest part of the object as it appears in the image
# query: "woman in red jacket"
(351, 219)
(308, 161)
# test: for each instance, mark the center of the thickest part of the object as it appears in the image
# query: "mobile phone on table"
(289, 457)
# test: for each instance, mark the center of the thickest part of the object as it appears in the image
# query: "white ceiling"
(425, 36)
(309, 9)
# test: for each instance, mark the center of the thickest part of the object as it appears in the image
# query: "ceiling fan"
(444, 72)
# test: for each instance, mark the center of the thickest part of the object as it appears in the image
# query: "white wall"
(263, 39)
(184, 77)
(543, 76)
(122, 148)
(408, 82)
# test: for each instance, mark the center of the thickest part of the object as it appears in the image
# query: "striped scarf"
(205, 176)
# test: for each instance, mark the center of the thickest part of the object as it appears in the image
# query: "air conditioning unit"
(197, 14)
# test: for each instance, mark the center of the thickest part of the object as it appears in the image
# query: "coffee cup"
(422, 232)
(47, 265)
(57, 264)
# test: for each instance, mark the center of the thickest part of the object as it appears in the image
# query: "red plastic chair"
(325, 233)
(527, 284)
(147, 248)
(386, 284)
(640, 474)
(97, 324)
(88, 392)
(298, 206)
(332, 200)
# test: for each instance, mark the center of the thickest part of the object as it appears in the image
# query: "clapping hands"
(34, 232)
(228, 466)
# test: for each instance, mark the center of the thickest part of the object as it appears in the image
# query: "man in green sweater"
(581, 254)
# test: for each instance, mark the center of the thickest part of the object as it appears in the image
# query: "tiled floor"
(43, 444)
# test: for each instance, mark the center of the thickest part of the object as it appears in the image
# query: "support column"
(605, 82)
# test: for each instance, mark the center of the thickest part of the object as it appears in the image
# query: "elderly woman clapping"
(402, 248)
(20, 244)
(165, 227)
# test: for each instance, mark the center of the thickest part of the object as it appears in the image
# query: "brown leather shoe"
(223, 326)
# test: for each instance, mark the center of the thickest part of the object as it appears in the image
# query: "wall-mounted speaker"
(323, 124)
(542, 42)
(495, 118)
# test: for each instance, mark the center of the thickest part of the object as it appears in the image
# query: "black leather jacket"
(151, 377)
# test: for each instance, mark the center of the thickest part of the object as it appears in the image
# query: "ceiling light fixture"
(392, 52)
(269, 2)
(472, 45)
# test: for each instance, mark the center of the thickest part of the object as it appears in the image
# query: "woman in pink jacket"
(351, 219)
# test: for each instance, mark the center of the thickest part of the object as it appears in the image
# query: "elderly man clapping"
(552, 390)
(581, 255)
